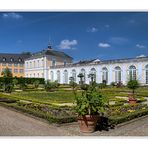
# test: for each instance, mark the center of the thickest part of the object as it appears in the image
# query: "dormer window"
(4, 59)
(11, 59)
(20, 59)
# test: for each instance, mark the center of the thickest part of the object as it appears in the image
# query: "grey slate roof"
(50, 52)
(13, 58)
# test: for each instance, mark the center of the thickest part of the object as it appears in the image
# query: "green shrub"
(15, 82)
(36, 84)
(51, 85)
(133, 84)
(101, 85)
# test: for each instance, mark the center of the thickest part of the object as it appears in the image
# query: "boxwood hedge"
(22, 80)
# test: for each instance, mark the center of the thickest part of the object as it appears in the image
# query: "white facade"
(111, 72)
(36, 68)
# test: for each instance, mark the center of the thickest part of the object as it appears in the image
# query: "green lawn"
(67, 96)
(47, 97)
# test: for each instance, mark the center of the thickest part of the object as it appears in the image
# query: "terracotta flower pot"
(87, 123)
(132, 100)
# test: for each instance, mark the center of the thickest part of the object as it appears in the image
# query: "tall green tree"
(6, 73)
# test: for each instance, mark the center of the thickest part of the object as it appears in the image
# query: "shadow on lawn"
(104, 124)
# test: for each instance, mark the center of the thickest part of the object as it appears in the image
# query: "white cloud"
(104, 45)
(93, 29)
(140, 46)
(12, 15)
(67, 44)
(141, 56)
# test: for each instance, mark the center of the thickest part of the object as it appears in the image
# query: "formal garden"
(58, 103)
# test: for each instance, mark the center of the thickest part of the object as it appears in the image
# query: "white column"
(45, 68)
(110, 74)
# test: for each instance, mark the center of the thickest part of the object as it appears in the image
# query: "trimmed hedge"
(127, 117)
(49, 118)
(22, 80)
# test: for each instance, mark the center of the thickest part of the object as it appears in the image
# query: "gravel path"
(16, 124)
(13, 123)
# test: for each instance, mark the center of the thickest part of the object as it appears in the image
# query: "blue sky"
(87, 35)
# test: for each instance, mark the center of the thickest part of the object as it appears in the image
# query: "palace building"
(15, 63)
(38, 65)
(55, 65)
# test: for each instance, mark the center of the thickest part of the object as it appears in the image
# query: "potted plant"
(133, 85)
(89, 106)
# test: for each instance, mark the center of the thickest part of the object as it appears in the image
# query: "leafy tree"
(81, 76)
(92, 77)
(6, 73)
(133, 84)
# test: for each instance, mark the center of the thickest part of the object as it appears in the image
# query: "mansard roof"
(13, 58)
(50, 52)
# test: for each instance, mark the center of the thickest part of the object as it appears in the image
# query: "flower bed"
(124, 109)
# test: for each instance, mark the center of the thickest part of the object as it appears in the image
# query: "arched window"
(58, 76)
(117, 74)
(84, 74)
(93, 71)
(132, 72)
(104, 74)
(74, 75)
(52, 76)
(146, 73)
(65, 77)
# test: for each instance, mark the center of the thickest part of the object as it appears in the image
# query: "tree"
(133, 84)
(92, 77)
(81, 76)
(6, 73)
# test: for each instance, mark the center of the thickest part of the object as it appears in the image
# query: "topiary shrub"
(36, 84)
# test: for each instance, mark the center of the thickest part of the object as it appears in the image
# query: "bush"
(36, 84)
(8, 88)
(21, 80)
(15, 82)
(133, 84)
(101, 85)
(51, 85)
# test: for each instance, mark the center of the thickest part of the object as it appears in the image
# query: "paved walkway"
(13, 123)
